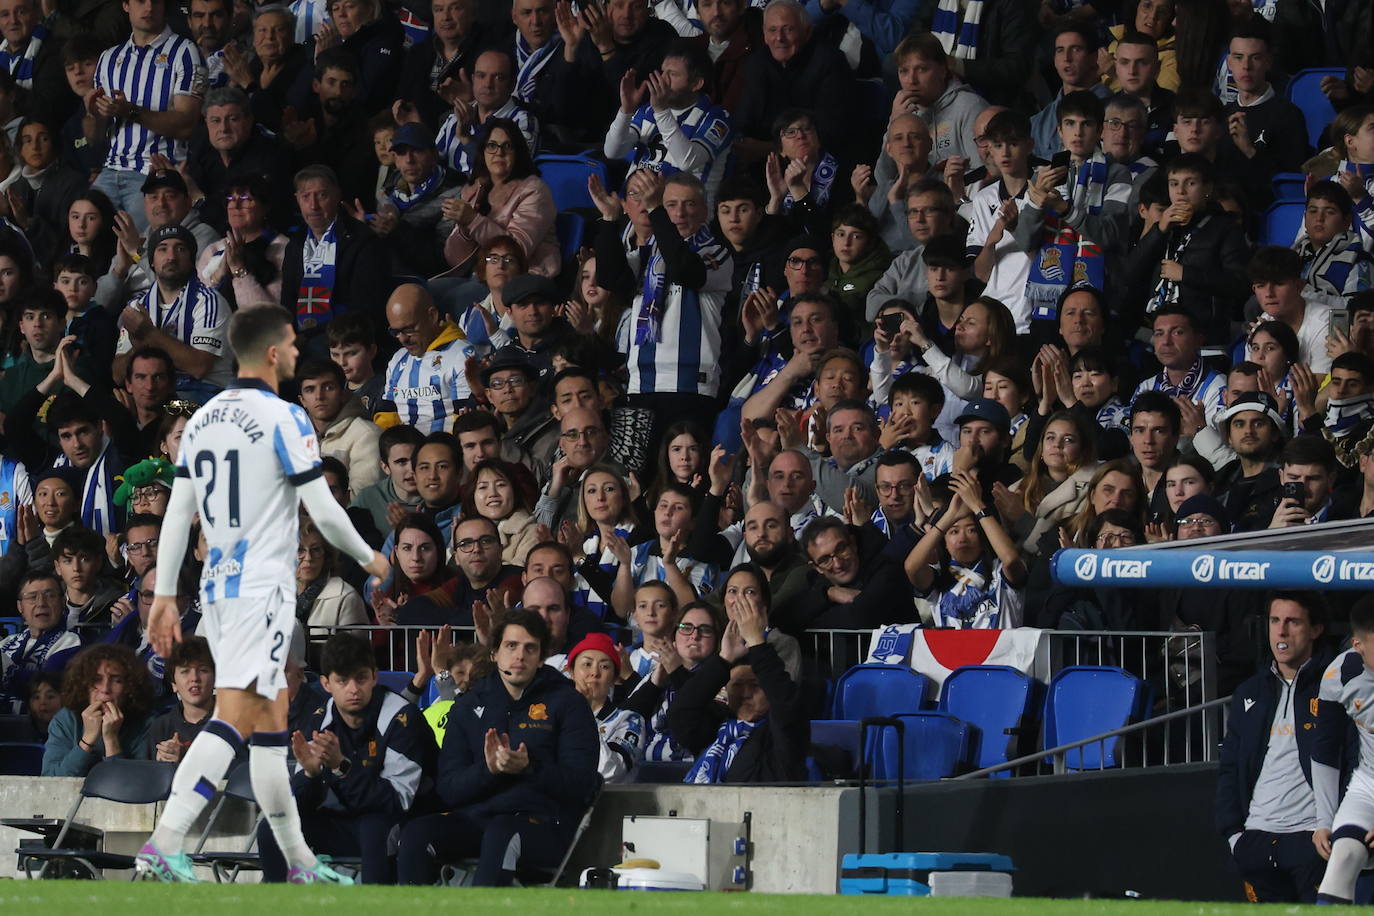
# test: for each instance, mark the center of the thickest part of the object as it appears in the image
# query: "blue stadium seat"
(570, 228)
(1282, 221)
(878, 690)
(1289, 186)
(19, 758)
(430, 695)
(936, 745)
(11, 625)
(395, 680)
(999, 701)
(1087, 700)
(1305, 91)
(566, 177)
(17, 728)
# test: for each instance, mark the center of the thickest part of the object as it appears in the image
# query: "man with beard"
(732, 33)
(332, 130)
(679, 128)
(208, 22)
(180, 315)
(1247, 486)
(763, 538)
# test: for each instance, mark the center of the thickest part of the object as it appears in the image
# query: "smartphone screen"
(1340, 321)
(1060, 160)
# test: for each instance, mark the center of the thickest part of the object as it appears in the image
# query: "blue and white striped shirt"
(198, 318)
(454, 151)
(696, 140)
(428, 389)
(648, 567)
(309, 14)
(150, 77)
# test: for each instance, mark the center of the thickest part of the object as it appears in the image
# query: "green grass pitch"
(117, 898)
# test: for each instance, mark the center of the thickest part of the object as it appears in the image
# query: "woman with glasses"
(802, 177)
(1106, 608)
(506, 197)
(146, 487)
(966, 565)
(695, 638)
(245, 265)
(487, 322)
(505, 494)
(323, 600)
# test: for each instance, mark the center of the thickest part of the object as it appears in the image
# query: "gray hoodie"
(950, 121)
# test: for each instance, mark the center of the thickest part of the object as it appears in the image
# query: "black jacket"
(1310, 34)
(261, 157)
(390, 756)
(885, 593)
(816, 78)
(362, 273)
(775, 752)
(1007, 34)
(558, 730)
(417, 87)
(1253, 707)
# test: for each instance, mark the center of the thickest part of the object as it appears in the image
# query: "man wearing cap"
(166, 202)
(594, 665)
(181, 315)
(984, 438)
(1247, 486)
(512, 388)
(411, 216)
(531, 299)
(425, 382)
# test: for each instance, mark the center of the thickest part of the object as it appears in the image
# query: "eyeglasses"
(142, 548)
(1116, 539)
(409, 330)
(146, 493)
(47, 593)
(804, 263)
(1197, 521)
(503, 260)
(589, 433)
(792, 133)
(468, 545)
(902, 488)
(843, 552)
(1118, 124)
(146, 594)
(181, 408)
(314, 552)
(518, 381)
(704, 630)
(240, 199)
(498, 146)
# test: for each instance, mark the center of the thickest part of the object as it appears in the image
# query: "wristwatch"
(983, 513)
(342, 769)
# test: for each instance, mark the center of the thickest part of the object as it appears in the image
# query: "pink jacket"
(528, 217)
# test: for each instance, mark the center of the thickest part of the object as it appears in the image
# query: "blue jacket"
(63, 756)
(556, 726)
(1253, 707)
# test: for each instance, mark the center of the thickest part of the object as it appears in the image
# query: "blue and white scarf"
(715, 761)
(20, 66)
(315, 295)
(1345, 415)
(422, 192)
(529, 61)
(23, 657)
(822, 177)
(649, 320)
(959, 39)
(98, 511)
(1166, 291)
(962, 604)
(1328, 269)
(1065, 257)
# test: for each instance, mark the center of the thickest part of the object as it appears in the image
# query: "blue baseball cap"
(416, 136)
(987, 410)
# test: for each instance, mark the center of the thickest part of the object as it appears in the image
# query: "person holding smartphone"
(1307, 477)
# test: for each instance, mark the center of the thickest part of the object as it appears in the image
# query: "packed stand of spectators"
(866, 310)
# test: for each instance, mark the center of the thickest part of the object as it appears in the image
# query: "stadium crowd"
(871, 306)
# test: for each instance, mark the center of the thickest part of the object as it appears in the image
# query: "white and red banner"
(936, 653)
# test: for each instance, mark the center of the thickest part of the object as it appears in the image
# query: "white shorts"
(1357, 807)
(250, 639)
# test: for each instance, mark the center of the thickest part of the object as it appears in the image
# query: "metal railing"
(1061, 752)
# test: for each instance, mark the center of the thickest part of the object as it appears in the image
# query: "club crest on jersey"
(437, 362)
(539, 712)
(5, 500)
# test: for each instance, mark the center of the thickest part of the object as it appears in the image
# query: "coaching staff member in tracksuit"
(517, 769)
(1265, 807)
(361, 760)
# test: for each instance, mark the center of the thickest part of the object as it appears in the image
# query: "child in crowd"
(353, 345)
(91, 324)
(654, 616)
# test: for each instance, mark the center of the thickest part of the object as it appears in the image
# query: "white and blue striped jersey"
(309, 14)
(150, 77)
(426, 391)
(244, 453)
(648, 567)
(451, 142)
(685, 357)
(198, 318)
(695, 140)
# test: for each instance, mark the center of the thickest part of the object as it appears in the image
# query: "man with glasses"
(929, 214)
(1123, 139)
(426, 381)
(45, 644)
(138, 547)
(511, 383)
(584, 442)
(477, 554)
(854, 586)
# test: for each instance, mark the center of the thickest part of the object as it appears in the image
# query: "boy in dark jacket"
(1265, 807)
(517, 769)
(361, 760)
(762, 733)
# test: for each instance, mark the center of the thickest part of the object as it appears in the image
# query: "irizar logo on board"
(1090, 566)
(1207, 566)
(1326, 569)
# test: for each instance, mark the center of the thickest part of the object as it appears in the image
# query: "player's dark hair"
(319, 368)
(1314, 602)
(392, 436)
(1070, 26)
(919, 385)
(253, 330)
(78, 540)
(194, 650)
(741, 187)
(530, 621)
(346, 655)
(1362, 616)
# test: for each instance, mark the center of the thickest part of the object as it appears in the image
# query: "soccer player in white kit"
(1346, 695)
(248, 461)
